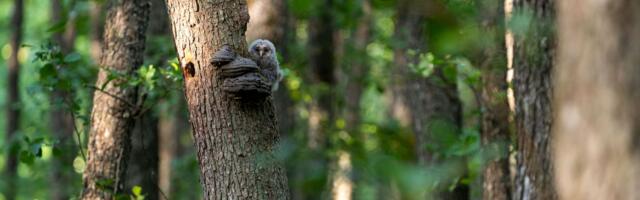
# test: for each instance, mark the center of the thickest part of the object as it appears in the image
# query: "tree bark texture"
(13, 102)
(235, 138)
(495, 116)
(422, 102)
(533, 62)
(596, 152)
(114, 107)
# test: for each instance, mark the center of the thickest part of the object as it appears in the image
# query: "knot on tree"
(240, 76)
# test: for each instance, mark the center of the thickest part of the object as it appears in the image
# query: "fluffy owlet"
(263, 52)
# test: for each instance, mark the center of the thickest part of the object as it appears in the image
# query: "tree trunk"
(13, 102)
(235, 138)
(430, 104)
(96, 18)
(142, 169)
(114, 107)
(322, 65)
(495, 116)
(533, 63)
(598, 90)
(61, 121)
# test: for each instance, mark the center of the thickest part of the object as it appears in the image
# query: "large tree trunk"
(142, 168)
(495, 115)
(598, 90)
(114, 107)
(533, 62)
(13, 101)
(235, 138)
(61, 121)
(427, 104)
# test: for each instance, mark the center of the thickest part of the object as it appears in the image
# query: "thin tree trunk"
(96, 19)
(114, 107)
(322, 64)
(13, 102)
(235, 138)
(61, 121)
(533, 63)
(495, 115)
(142, 167)
(597, 92)
(429, 105)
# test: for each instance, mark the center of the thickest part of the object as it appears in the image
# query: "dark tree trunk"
(235, 139)
(114, 107)
(596, 143)
(358, 68)
(428, 104)
(13, 102)
(495, 116)
(533, 63)
(322, 65)
(142, 169)
(61, 121)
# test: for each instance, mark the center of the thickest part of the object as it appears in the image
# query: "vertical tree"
(114, 102)
(96, 18)
(235, 138)
(495, 116)
(533, 62)
(322, 65)
(61, 121)
(13, 101)
(596, 98)
(429, 105)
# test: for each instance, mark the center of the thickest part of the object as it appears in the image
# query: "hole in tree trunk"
(189, 69)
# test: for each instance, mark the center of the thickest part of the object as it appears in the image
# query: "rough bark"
(495, 115)
(426, 104)
(13, 101)
(322, 64)
(533, 63)
(61, 121)
(235, 138)
(597, 93)
(114, 107)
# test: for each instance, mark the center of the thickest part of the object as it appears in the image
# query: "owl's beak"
(261, 53)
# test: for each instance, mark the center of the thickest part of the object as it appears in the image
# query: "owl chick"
(263, 52)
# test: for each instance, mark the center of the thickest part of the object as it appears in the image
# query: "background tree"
(13, 103)
(495, 134)
(429, 105)
(235, 139)
(533, 23)
(114, 106)
(61, 120)
(598, 90)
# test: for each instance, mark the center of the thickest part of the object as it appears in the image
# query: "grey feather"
(263, 52)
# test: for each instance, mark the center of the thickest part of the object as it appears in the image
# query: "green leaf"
(58, 27)
(27, 157)
(137, 190)
(72, 57)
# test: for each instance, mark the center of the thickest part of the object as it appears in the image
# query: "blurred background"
(382, 99)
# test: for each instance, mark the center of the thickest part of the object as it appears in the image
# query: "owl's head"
(262, 48)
